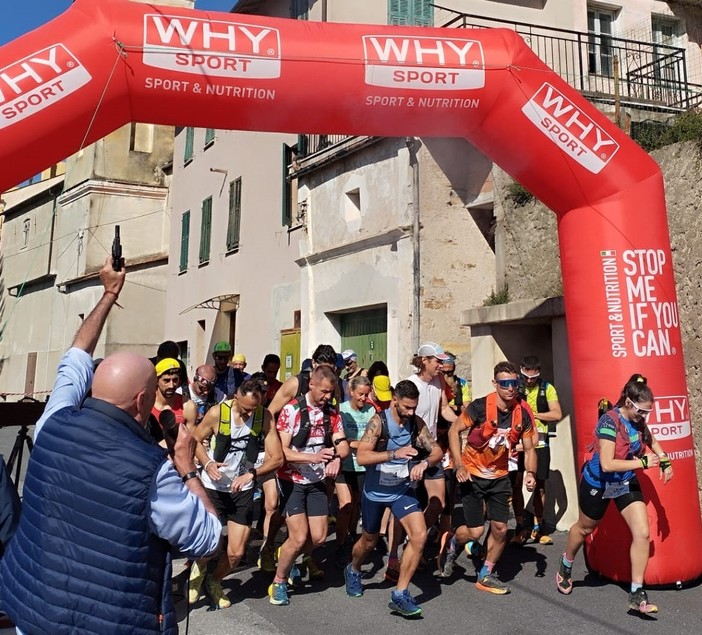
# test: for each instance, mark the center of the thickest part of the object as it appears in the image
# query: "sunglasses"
(507, 383)
(448, 373)
(221, 357)
(203, 381)
(535, 376)
(642, 412)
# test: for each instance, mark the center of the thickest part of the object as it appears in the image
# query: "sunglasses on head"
(507, 383)
(643, 412)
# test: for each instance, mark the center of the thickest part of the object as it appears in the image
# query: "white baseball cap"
(432, 349)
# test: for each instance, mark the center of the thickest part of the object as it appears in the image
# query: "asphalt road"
(454, 606)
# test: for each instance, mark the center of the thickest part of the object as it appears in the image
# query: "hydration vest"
(222, 442)
(621, 442)
(301, 436)
(422, 452)
(479, 434)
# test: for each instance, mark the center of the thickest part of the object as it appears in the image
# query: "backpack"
(422, 452)
(301, 436)
(223, 440)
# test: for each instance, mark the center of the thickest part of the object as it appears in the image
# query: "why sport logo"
(211, 48)
(670, 418)
(38, 81)
(424, 63)
(570, 129)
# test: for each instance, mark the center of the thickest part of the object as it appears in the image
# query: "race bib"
(393, 474)
(615, 490)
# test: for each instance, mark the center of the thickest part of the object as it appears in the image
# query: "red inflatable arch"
(101, 65)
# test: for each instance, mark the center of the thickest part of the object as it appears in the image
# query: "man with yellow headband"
(168, 376)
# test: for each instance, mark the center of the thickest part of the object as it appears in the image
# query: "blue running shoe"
(404, 604)
(354, 587)
(295, 577)
(278, 593)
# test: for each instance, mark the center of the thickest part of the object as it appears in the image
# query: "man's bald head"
(128, 381)
(206, 371)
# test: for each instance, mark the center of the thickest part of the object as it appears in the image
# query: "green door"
(289, 354)
(366, 332)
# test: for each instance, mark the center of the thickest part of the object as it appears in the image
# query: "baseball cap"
(222, 347)
(432, 349)
(349, 354)
(381, 386)
(166, 365)
(239, 357)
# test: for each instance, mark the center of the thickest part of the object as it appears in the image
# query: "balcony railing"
(650, 76)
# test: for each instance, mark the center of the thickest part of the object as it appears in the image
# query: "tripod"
(17, 452)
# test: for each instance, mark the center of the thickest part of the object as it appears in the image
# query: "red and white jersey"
(289, 421)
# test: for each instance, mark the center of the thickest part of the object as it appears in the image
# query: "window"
(416, 12)
(26, 226)
(666, 33)
(141, 138)
(206, 230)
(234, 224)
(300, 10)
(209, 136)
(289, 189)
(600, 28)
(184, 240)
(189, 140)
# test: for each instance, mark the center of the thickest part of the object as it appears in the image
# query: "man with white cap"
(432, 401)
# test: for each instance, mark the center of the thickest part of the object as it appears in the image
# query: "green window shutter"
(411, 12)
(234, 224)
(184, 240)
(206, 230)
(423, 13)
(189, 139)
(287, 206)
(209, 135)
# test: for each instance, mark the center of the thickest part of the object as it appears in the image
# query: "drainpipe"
(324, 10)
(55, 194)
(412, 145)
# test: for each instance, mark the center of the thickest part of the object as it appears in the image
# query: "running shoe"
(492, 584)
(392, 572)
(404, 604)
(354, 587)
(216, 592)
(266, 559)
(564, 581)
(446, 558)
(313, 570)
(540, 538)
(294, 577)
(278, 593)
(638, 601)
(197, 577)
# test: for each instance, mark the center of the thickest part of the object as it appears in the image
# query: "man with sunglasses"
(243, 442)
(543, 401)
(228, 379)
(201, 395)
(494, 424)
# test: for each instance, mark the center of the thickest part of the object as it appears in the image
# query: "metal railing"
(651, 76)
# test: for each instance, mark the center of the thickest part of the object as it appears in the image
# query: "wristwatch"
(252, 470)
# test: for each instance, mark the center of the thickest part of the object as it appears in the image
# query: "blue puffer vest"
(83, 559)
